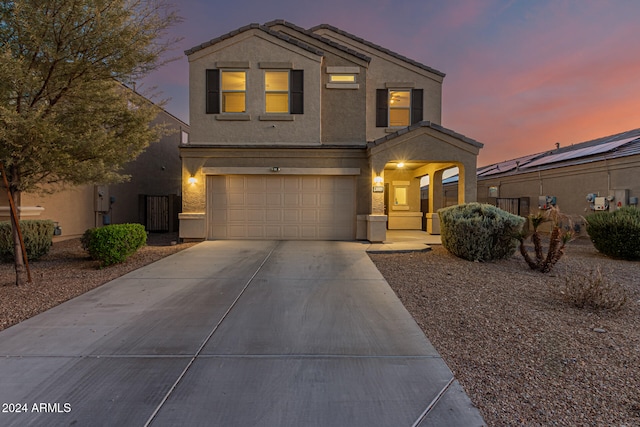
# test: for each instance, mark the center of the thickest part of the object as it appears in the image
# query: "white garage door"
(282, 207)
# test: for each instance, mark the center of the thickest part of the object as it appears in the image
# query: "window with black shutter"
(382, 111)
(296, 91)
(398, 107)
(213, 92)
(416, 106)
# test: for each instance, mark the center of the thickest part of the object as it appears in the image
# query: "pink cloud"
(565, 78)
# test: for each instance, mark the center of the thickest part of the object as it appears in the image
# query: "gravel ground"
(524, 356)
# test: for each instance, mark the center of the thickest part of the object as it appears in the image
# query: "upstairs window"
(233, 91)
(226, 91)
(398, 107)
(276, 84)
(342, 78)
(284, 91)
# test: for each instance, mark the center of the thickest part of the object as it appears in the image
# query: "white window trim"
(245, 91)
(343, 71)
(288, 92)
(389, 108)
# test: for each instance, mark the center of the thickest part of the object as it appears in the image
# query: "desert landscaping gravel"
(524, 357)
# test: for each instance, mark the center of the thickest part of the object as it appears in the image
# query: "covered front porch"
(399, 162)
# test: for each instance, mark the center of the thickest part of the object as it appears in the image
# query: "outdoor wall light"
(377, 184)
(275, 169)
(401, 165)
(192, 180)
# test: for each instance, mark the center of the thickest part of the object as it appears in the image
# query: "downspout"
(540, 179)
(606, 165)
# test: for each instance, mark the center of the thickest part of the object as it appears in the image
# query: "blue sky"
(521, 75)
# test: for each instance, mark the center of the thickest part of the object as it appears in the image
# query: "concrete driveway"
(232, 333)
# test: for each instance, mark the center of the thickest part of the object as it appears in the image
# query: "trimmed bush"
(479, 232)
(37, 236)
(113, 244)
(616, 234)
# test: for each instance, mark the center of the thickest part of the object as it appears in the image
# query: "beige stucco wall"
(569, 184)
(194, 159)
(413, 190)
(343, 110)
(72, 209)
(431, 147)
(254, 47)
(157, 171)
(385, 69)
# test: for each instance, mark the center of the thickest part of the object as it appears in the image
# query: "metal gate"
(516, 206)
(157, 213)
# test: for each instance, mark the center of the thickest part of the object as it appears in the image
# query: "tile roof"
(324, 40)
(254, 26)
(377, 47)
(422, 124)
(311, 33)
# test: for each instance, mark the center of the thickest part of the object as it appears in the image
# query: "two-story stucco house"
(313, 134)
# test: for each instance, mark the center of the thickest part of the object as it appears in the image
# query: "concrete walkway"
(405, 241)
(231, 333)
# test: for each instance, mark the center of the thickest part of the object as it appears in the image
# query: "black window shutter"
(416, 106)
(382, 114)
(296, 85)
(213, 91)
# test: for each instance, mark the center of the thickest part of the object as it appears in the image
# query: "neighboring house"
(312, 134)
(598, 175)
(151, 197)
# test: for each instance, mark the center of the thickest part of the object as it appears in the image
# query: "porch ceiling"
(419, 167)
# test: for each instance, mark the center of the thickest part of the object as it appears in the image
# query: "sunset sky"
(521, 75)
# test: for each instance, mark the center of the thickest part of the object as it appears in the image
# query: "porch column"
(467, 184)
(436, 196)
(377, 220)
(436, 201)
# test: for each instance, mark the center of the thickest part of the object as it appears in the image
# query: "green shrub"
(479, 232)
(616, 234)
(114, 243)
(37, 236)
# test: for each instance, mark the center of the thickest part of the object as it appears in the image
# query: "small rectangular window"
(233, 91)
(342, 78)
(400, 196)
(276, 85)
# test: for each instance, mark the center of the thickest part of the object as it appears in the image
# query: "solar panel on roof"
(507, 166)
(581, 152)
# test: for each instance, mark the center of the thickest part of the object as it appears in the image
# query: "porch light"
(378, 179)
(192, 180)
(401, 165)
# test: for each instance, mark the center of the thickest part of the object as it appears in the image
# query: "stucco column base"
(192, 226)
(376, 228)
(433, 223)
(24, 212)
